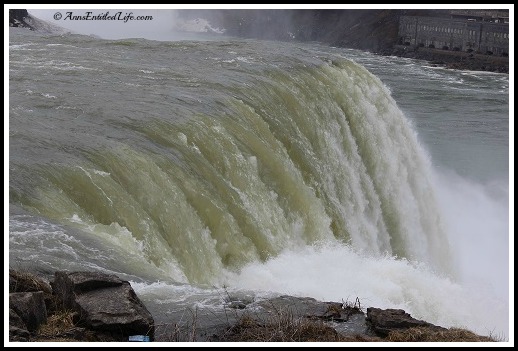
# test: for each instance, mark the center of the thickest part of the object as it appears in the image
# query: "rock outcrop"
(382, 322)
(18, 18)
(30, 307)
(17, 328)
(30, 300)
(94, 306)
(104, 302)
(91, 306)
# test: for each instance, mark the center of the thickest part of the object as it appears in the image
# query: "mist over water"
(476, 297)
(160, 24)
(258, 166)
(478, 221)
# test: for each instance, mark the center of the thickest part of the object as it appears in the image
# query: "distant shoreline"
(452, 59)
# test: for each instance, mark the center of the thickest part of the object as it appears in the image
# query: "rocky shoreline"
(451, 59)
(99, 307)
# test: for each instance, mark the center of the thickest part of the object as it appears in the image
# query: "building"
(460, 32)
(498, 16)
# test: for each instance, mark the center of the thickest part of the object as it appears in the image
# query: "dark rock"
(18, 18)
(30, 307)
(67, 285)
(28, 282)
(346, 320)
(382, 322)
(15, 320)
(18, 334)
(74, 333)
(298, 306)
(105, 303)
(338, 313)
(237, 305)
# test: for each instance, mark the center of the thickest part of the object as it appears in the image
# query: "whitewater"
(200, 167)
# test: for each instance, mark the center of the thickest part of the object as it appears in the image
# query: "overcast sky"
(160, 27)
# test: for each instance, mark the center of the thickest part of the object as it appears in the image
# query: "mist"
(366, 29)
(477, 220)
(162, 24)
(476, 297)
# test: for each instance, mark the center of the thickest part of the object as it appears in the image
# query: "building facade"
(462, 34)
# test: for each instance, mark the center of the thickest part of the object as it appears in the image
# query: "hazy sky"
(158, 28)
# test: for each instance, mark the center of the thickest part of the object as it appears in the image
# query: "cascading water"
(305, 156)
(213, 164)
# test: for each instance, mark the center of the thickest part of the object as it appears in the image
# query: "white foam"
(338, 273)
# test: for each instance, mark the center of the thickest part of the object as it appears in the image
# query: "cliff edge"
(19, 18)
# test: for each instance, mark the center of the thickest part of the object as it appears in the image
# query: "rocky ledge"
(19, 18)
(95, 306)
(77, 306)
(452, 59)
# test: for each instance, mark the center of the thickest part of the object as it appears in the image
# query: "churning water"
(264, 168)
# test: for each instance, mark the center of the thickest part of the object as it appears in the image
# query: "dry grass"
(285, 328)
(282, 328)
(57, 324)
(27, 282)
(60, 327)
(178, 332)
(433, 335)
(175, 332)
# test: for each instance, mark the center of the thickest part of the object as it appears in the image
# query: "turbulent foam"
(336, 272)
